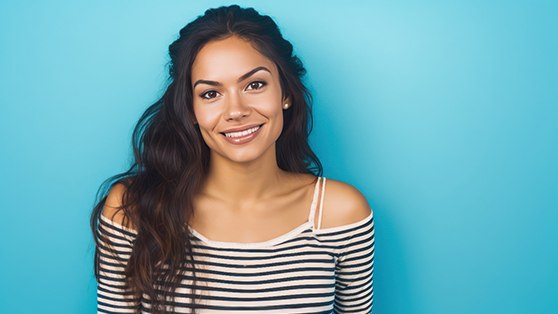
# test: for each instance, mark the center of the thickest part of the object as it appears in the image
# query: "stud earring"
(285, 106)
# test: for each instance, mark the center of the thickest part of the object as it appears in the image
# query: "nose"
(236, 109)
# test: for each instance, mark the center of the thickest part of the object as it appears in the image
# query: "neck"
(245, 182)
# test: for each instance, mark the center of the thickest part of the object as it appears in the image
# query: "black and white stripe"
(304, 271)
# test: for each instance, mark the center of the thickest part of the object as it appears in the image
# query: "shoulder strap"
(317, 190)
(314, 202)
(320, 213)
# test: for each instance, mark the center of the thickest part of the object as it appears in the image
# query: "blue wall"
(444, 115)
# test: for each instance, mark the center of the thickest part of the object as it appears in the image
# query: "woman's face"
(237, 100)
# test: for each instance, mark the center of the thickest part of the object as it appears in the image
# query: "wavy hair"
(171, 160)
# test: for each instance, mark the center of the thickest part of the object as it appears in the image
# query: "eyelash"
(261, 83)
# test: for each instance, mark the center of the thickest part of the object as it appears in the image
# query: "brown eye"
(209, 95)
(256, 85)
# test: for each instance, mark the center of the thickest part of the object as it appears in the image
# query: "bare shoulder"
(113, 206)
(343, 205)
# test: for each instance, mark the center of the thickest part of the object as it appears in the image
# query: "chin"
(243, 157)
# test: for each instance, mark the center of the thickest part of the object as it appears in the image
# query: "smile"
(242, 133)
(244, 136)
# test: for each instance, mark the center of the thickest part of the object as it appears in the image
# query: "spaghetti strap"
(314, 202)
(320, 213)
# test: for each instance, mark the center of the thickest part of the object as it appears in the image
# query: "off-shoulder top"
(306, 270)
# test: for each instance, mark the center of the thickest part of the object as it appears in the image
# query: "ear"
(286, 103)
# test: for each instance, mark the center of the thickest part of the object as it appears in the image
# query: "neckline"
(309, 223)
(252, 245)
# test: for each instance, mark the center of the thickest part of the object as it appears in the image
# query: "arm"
(355, 266)
(347, 207)
(114, 249)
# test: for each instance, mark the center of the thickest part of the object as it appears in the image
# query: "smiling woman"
(225, 208)
(239, 107)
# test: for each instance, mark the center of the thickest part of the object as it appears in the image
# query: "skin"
(247, 198)
(236, 104)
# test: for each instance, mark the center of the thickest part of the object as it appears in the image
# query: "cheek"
(273, 111)
(268, 106)
(206, 118)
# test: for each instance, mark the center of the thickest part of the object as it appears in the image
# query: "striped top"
(306, 270)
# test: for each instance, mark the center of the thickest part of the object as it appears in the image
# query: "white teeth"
(242, 133)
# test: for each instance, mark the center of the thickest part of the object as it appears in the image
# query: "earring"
(286, 105)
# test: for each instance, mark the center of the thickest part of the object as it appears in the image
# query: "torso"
(242, 259)
(266, 220)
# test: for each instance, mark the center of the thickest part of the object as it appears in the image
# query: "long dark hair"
(172, 160)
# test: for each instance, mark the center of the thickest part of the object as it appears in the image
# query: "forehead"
(228, 59)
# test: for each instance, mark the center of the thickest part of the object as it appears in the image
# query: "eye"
(209, 94)
(256, 85)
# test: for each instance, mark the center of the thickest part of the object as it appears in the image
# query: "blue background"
(444, 113)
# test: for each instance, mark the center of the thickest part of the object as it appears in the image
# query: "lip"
(241, 128)
(243, 139)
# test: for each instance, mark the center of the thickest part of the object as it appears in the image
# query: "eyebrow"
(240, 79)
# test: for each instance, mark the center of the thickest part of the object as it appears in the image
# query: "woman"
(224, 208)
